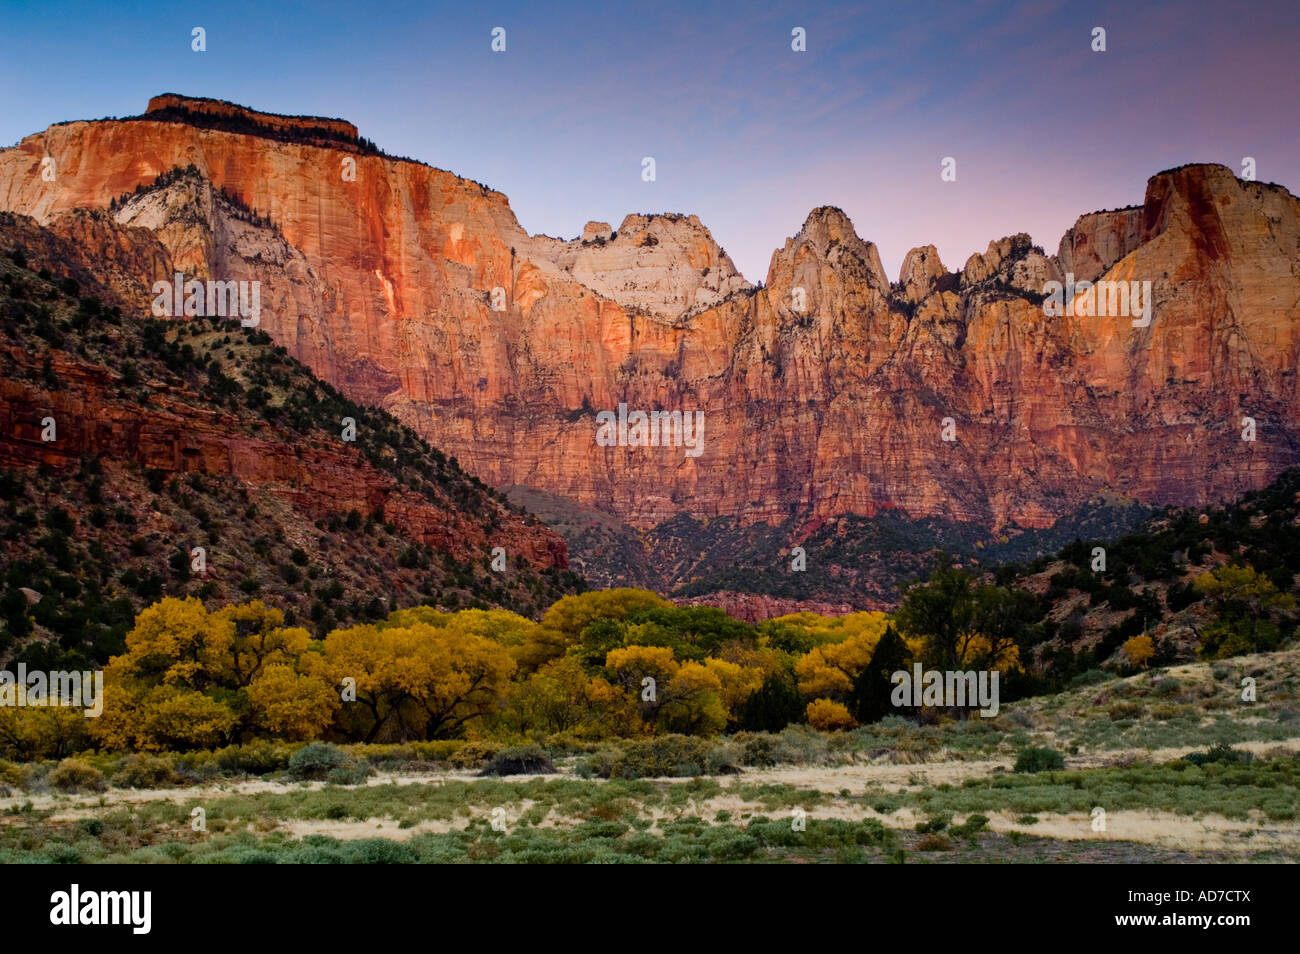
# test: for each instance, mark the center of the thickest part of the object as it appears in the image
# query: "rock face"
(920, 273)
(176, 433)
(823, 393)
(662, 265)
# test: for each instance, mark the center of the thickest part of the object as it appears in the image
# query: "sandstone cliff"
(824, 392)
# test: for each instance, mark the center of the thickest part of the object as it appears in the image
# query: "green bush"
(972, 826)
(144, 771)
(74, 775)
(1220, 753)
(255, 758)
(316, 760)
(1035, 759)
(937, 823)
(668, 756)
(352, 773)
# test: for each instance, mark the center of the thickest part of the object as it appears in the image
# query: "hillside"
(1081, 616)
(851, 562)
(202, 433)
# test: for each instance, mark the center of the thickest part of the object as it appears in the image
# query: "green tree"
(870, 699)
(773, 706)
(1244, 603)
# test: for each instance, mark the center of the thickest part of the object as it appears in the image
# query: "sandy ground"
(1210, 832)
(1204, 833)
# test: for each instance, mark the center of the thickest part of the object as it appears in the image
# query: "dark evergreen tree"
(775, 705)
(869, 701)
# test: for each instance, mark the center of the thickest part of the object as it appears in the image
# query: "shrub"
(10, 774)
(797, 745)
(1090, 678)
(1035, 759)
(74, 775)
(1125, 710)
(937, 823)
(521, 760)
(316, 760)
(474, 754)
(670, 756)
(380, 851)
(1219, 753)
(255, 758)
(934, 842)
(144, 771)
(353, 773)
(829, 716)
(972, 826)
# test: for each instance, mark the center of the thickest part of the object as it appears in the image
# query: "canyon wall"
(827, 391)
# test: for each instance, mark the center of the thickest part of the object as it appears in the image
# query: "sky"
(746, 133)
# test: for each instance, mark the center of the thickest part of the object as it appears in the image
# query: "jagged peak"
(827, 212)
(920, 272)
(923, 258)
(829, 232)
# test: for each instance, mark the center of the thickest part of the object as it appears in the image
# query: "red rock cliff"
(824, 392)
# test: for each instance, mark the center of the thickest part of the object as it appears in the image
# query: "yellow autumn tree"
(502, 626)
(45, 731)
(292, 705)
(692, 701)
(560, 698)
(829, 669)
(736, 683)
(258, 638)
(829, 716)
(160, 693)
(161, 718)
(683, 697)
(416, 682)
(1139, 650)
(177, 642)
(632, 665)
(563, 623)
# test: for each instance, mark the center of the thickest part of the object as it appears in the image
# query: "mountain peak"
(829, 234)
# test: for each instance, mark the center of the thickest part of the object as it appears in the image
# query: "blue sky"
(745, 132)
